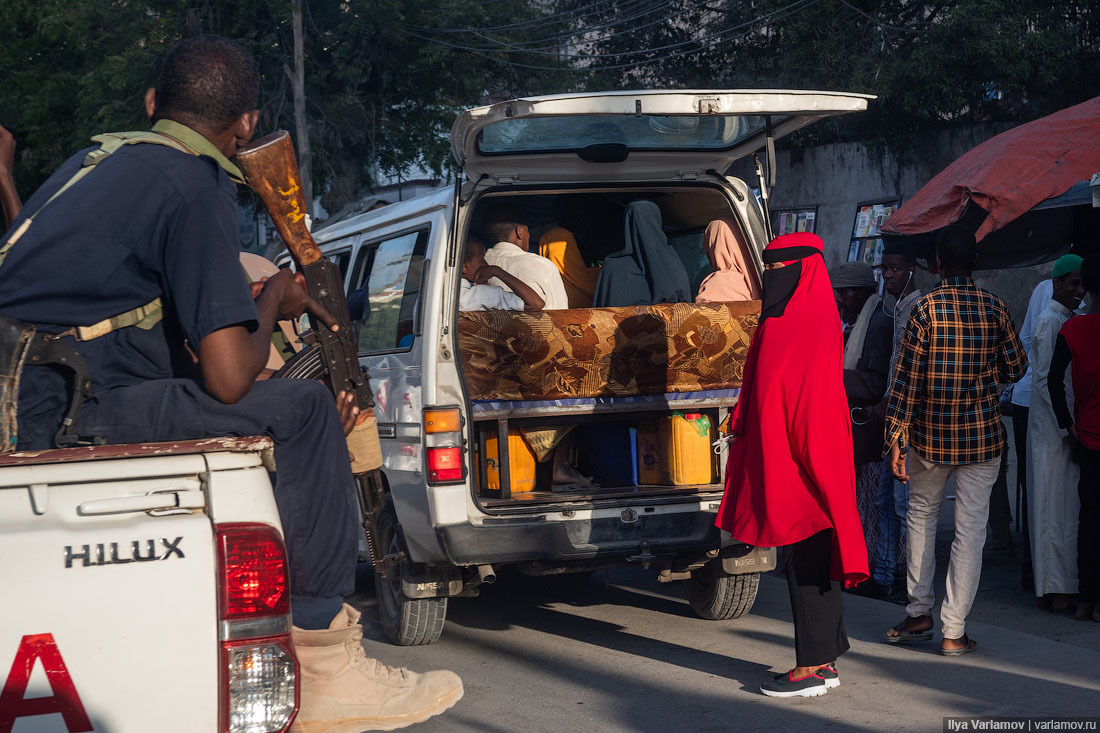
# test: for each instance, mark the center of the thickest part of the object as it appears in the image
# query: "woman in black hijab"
(648, 270)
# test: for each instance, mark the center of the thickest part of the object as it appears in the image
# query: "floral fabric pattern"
(605, 352)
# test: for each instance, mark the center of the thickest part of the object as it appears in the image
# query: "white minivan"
(456, 392)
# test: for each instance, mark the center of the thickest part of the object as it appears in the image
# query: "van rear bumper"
(502, 540)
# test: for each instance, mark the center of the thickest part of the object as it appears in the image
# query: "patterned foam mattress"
(586, 353)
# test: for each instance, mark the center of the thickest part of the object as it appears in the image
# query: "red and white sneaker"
(784, 685)
(832, 677)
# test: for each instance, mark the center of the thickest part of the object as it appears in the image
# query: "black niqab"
(648, 269)
(780, 282)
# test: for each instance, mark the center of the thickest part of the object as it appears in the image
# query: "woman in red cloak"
(790, 481)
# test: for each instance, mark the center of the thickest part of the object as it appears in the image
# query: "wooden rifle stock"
(271, 169)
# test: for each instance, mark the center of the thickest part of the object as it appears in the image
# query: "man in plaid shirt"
(959, 345)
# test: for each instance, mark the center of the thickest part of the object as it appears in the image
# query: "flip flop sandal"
(904, 635)
(971, 645)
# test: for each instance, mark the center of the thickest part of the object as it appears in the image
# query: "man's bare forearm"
(9, 197)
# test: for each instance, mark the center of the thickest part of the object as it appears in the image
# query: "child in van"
(476, 295)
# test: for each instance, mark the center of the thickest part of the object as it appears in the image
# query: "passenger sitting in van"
(648, 270)
(731, 279)
(506, 225)
(477, 296)
(359, 302)
(560, 247)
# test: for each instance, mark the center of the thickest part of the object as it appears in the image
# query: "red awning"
(1008, 174)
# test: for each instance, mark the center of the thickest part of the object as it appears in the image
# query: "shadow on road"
(630, 656)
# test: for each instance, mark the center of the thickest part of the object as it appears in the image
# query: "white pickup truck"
(145, 589)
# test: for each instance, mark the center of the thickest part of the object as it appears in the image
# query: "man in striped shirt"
(959, 345)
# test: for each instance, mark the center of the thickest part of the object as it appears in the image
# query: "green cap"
(1066, 264)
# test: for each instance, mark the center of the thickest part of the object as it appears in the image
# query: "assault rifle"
(271, 169)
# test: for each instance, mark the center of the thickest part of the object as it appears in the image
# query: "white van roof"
(632, 135)
(386, 214)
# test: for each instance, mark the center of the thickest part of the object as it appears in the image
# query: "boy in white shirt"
(478, 296)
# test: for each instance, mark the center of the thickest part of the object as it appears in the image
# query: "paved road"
(625, 653)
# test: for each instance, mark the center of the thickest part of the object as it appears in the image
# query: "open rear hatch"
(638, 392)
(632, 135)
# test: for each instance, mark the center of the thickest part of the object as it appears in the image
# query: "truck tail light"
(259, 672)
(253, 571)
(443, 445)
(261, 685)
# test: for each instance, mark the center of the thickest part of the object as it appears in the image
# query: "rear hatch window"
(632, 135)
(649, 132)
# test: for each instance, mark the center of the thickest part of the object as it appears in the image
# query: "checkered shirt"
(959, 345)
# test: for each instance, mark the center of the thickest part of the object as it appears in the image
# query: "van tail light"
(444, 464)
(444, 453)
(259, 675)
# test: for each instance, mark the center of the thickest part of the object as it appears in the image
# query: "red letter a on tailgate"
(64, 700)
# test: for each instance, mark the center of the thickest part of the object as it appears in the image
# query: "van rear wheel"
(406, 621)
(716, 596)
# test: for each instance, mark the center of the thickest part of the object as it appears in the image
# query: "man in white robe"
(1052, 476)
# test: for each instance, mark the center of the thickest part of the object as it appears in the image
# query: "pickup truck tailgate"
(109, 618)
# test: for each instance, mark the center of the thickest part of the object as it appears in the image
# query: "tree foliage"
(380, 97)
(931, 64)
(385, 78)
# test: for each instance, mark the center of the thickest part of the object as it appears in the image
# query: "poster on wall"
(789, 221)
(866, 242)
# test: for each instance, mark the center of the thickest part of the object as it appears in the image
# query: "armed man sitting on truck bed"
(150, 233)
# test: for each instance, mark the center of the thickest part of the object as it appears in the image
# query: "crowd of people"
(1061, 523)
(1049, 458)
(915, 401)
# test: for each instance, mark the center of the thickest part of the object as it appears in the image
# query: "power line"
(574, 14)
(878, 22)
(678, 49)
(554, 50)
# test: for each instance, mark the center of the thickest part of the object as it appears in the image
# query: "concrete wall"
(837, 178)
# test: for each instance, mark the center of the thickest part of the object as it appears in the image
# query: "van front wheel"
(406, 621)
(716, 596)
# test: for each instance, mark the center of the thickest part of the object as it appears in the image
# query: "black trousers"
(1088, 526)
(314, 488)
(817, 603)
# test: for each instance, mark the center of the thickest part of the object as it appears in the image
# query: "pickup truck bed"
(109, 565)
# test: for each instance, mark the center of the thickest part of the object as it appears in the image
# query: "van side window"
(341, 259)
(391, 270)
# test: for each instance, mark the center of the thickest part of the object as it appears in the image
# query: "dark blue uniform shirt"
(149, 221)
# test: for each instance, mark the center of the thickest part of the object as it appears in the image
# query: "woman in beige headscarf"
(733, 277)
(560, 247)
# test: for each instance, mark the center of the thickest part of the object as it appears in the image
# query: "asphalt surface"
(625, 653)
(622, 652)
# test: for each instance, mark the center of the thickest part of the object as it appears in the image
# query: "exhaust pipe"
(486, 575)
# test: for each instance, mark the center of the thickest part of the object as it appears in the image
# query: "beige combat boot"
(344, 691)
